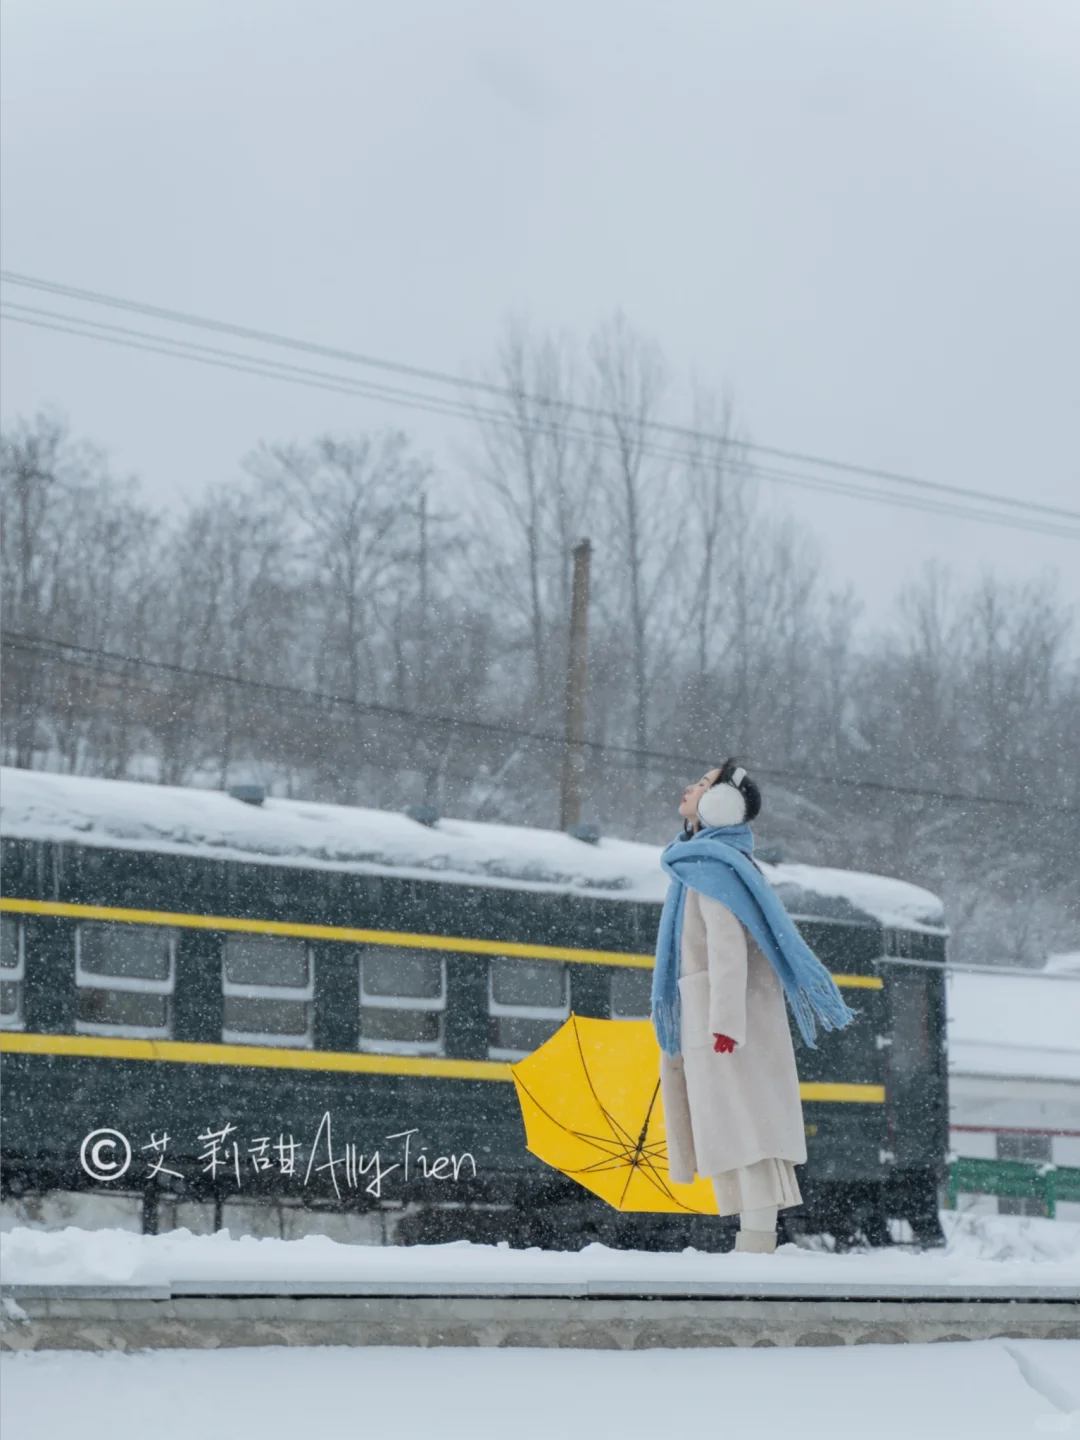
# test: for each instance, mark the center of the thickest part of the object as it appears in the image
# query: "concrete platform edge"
(210, 1322)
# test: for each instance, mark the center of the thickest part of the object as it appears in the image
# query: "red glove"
(723, 1044)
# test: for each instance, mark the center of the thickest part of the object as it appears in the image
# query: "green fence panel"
(1013, 1179)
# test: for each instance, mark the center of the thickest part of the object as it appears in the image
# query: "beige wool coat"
(726, 1113)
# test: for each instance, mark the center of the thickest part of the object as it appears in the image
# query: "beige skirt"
(753, 1187)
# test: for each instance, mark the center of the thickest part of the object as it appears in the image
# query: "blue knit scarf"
(716, 862)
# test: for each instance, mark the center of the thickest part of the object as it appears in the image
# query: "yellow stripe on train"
(14, 1042)
(347, 934)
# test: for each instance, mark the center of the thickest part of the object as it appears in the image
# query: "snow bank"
(120, 814)
(995, 1250)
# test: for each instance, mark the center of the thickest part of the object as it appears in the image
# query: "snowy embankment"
(981, 1250)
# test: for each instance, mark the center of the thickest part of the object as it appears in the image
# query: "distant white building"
(1014, 1067)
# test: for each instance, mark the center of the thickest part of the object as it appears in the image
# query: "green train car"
(220, 998)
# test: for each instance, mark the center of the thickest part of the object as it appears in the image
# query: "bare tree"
(535, 464)
(635, 542)
(30, 531)
(77, 566)
(352, 503)
(329, 622)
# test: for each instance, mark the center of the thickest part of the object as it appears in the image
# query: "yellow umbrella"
(590, 1098)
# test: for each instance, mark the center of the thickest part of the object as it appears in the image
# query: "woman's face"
(693, 793)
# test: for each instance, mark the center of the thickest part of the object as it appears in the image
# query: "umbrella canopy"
(590, 1098)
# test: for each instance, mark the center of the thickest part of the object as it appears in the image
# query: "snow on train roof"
(123, 814)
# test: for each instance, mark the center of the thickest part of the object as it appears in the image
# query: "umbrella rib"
(636, 1159)
(652, 1176)
(647, 1167)
(649, 1173)
(601, 1167)
(656, 1180)
(598, 1140)
(612, 1143)
(629, 1176)
(645, 1164)
(619, 1149)
(615, 1126)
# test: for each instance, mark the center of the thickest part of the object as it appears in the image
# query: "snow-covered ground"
(972, 1391)
(981, 1250)
(985, 1390)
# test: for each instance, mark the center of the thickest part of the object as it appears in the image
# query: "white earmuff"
(722, 805)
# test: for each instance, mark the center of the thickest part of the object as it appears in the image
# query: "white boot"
(756, 1242)
(757, 1231)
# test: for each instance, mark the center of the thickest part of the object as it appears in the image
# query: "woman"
(727, 954)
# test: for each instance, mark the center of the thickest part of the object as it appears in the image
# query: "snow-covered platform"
(77, 1289)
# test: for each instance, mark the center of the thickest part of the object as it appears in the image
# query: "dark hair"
(748, 789)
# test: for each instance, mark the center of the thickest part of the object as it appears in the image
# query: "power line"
(266, 368)
(67, 652)
(273, 369)
(459, 382)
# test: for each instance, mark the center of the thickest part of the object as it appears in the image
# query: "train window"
(911, 945)
(12, 970)
(125, 975)
(631, 994)
(268, 989)
(527, 1002)
(910, 1022)
(402, 1001)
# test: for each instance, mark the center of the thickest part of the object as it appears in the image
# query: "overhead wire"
(268, 368)
(459, 382)
(1028, 517)
(68, 652)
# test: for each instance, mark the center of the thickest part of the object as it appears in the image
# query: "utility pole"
(422, 635)
(577, 668)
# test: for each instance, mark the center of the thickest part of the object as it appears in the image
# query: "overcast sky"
(862, 219)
